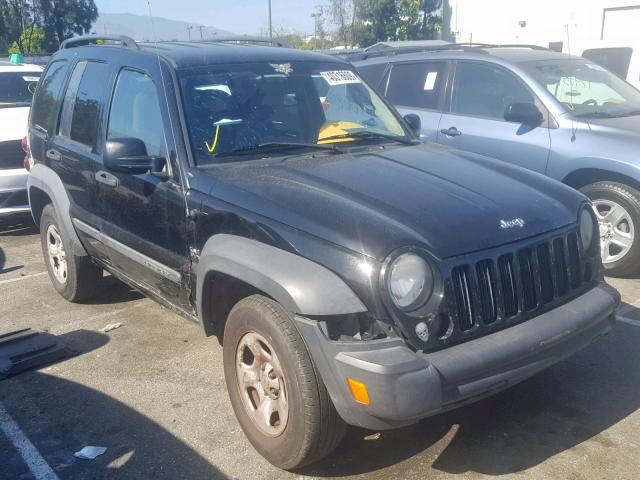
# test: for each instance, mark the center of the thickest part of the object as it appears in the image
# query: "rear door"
(418, 87)
(480, 95)
(143, 217)
(74, 152)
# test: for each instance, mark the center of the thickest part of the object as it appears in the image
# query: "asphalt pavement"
(153, 393)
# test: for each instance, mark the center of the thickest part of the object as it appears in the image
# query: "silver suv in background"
(563, 116)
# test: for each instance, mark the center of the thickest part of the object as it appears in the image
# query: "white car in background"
(17, 84)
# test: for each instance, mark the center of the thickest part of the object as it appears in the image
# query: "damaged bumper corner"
(405, 386)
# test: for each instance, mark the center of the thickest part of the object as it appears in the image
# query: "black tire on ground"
(314, 428)
(629, 199)
(82, 276)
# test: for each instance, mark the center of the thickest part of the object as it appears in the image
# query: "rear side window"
(486, 91)
(46, 104)
(135, 111)
(83, 102)
(17, 88)
(373, 73)
(417, 85)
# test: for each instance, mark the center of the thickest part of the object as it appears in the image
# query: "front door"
(144, 217)
(475, 122)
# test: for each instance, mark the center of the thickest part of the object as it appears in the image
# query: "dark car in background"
(352, 274)
(563, 116)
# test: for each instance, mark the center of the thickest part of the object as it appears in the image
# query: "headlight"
(586, 228)
(410, 281)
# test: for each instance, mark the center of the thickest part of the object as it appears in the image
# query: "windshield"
(587, 89)
(234, 111)
(16, 88)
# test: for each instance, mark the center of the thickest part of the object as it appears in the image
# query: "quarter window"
(46, 104)
(135, 111)
(416, 84)
(486, 91)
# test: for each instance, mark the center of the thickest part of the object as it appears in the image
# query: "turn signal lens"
(359, 391)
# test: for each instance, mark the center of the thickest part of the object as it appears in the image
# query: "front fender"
(298, 284)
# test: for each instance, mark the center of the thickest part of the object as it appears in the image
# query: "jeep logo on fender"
(516, 222)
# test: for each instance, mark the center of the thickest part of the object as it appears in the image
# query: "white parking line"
(627, 320)
(11, 280)
(38, 466)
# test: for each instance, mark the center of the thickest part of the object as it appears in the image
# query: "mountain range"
(152, 28)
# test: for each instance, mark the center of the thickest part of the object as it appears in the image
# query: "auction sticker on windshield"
(340, 77)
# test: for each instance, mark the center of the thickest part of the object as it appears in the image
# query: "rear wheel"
(617, 207)
(74, 277)
(276, 392)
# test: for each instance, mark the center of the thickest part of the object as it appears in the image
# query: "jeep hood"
(446, 201)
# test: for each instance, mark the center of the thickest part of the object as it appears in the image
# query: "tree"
(347, 16)
(15, 16)
(31, 42)
(400, 20)
(65, 18)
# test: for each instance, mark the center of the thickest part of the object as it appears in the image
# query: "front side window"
(586, 89)
(486, 91)
(417, 85)
(46, 104)
(83, 102)
(17, 88)
(135, 111)
(238, 110)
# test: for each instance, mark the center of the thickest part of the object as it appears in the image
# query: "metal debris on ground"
(24, 349)
(89, 452)
(111, 326)
(373, 436)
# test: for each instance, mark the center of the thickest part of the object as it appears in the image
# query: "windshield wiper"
(270, 146)
(370, 134)
(596, 115)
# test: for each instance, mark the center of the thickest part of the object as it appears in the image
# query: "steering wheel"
(591, 102)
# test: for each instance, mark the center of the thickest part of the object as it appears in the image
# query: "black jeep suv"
(353, 274)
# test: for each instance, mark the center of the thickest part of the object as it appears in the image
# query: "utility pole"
(189, 28)
(270, 24)
(316, 16)
(200, 28)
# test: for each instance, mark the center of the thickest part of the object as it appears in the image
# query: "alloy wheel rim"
(57, 254)
(617, 231)
(262, 385)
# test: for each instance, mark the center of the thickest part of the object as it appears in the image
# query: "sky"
(238, 16)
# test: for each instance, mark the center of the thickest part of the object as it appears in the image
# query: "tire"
(610, 197)
(311, 428)
(74, 277)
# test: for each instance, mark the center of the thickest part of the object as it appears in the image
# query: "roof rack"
(124, 41)
(520, 45)
(246, 39)
(466, 47)
(476, 47)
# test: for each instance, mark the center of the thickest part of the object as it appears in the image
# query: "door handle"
(54, 155)
(107, 179)
(451, 132)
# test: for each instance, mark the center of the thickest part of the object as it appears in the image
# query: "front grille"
(511, 287)
(11, 155)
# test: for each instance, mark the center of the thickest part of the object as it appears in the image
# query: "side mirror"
(414, 122)
(129, 155)
(525, 113)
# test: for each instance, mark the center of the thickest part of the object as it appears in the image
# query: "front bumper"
(13, 191)
(405, 386)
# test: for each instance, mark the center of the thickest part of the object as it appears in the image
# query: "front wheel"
(617, 207)
(276, 392)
